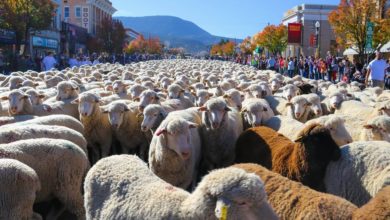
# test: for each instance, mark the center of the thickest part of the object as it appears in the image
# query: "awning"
(386, 48)
(350, 51)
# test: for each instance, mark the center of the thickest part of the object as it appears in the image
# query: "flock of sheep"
(191, 139)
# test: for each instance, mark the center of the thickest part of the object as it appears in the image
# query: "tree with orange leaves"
(141, 45)
(350, 19)
(223, 48)
(246, 46)
(273, 37)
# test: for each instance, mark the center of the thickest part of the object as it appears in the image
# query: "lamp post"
(318, 25)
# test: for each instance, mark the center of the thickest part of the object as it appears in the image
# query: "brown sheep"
(292, 200)
(304, 160)
(378, 208)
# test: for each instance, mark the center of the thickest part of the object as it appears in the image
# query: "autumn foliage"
(247, 46)
(142, 45)
(349, 22)
(223, 48)
(273, 38)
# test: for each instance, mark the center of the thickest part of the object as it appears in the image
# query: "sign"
(85, 18)
(294, 33)
(7, 37)
(369, 35)
(44, 42)
(313, 40)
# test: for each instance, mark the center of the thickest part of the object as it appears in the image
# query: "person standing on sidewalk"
(377, 71)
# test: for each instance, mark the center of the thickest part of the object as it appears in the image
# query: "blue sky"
(227, 18)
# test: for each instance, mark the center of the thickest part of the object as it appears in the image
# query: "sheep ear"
(36, 84)
(226, 96)
(76, 101)
(160, 131)
(25, 97)
(289, 104)
(368, 126)
(242, 96)
(298, 139)
(136, 99)
(193, 93)
(109, 88)
(202, 109)
(308, 104)
(41, 96)
(243, 110)
(157, 98)
(193, 125)
(227, 109)
(4, 98)
(263, 93)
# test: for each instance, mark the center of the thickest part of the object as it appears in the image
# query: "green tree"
(23, 16)
(274, 38)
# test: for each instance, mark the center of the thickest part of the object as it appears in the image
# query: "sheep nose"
(258, 96)
(318, 112)
(58, 98)
(215, 124)
(141, 107)
(13, 109)
(84, 114)
(239, 107)
(297, 114)
(289, 97)
(143, 128)
(185, 155)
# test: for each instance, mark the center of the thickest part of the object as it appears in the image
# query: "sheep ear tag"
(224, 212)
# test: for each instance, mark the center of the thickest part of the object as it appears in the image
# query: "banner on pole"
(294, 33)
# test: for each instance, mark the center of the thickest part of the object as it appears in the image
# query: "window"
(66, 12)
(78, 12)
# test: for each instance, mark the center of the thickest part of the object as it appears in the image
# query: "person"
(377, 70)
(387, 79)
(73, 61)
(271, 63)
(290, 68)
(49, 62)
(2, 62)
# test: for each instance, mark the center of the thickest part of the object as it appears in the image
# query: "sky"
(226, 18)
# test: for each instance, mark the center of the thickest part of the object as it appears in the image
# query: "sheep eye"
(155, 115)
(241, 203)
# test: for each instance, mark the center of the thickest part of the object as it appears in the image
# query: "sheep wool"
(122, 187)
(18, 187)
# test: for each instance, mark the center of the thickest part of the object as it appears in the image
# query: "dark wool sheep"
(305, 89)
(378, 208)
(304, 160)
(292, 200)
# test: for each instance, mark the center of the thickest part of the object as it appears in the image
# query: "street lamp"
(318, 25)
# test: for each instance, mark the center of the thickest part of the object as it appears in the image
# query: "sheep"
(18, 187)
(234, 98)
(118, 186)
(220, 128)
(332, 102)
(67, 91)
(177, 92)
(336, 126)
(13, 119)
(376, 129)
(19, 103)
(355, 108)
(277, 104)
(255, 112)
(298, 108)
(23, 132)
(304, 160)
(97, 128)
(201, 97)
(61, 167)
(153, 115)
(377, 208)
(15, 82)
(316, 108)
(255, 91)
(285, 125)
(174, 152)
(59, 120)
(151, 97)
(275, 85)
(292, 200)
(36, 98)
(289, 92)
(362, 170)
(136, 90)
(126, 128)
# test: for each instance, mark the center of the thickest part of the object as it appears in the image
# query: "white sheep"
(177, 92)
(18, 187)
(255, 112)
(13, 119)
(299, 108)
(220, 129)
(23, 132)
(97, 128)
(59, 120)
(277, 104)
(362, 170)
(234, 98)
(175, 152)
(19, 103)
(61, 167)
(335, 124)
(151, 97)
(123, 187)
(376, 129)
(127, 129)
(286, 126)
(332, 102)
(136, 90)
(316, 108)
(289, 92)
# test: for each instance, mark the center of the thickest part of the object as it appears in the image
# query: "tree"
(350, 19)
(246, 46)
(228, 48)
(112, 35)
(223, 48)
(274, 38)
(23, 16)
(140, 45)
(216, 49)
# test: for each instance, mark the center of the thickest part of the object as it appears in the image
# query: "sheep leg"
(73, 203)
(55, 211)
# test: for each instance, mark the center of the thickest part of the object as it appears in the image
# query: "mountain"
(173, 32)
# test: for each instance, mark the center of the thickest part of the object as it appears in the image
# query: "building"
(308, 15)
(87, 13)
(47, 40)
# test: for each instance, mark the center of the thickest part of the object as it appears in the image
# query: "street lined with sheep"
(160, 140)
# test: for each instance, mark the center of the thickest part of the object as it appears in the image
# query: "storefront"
(73, 39)
(43, 45)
